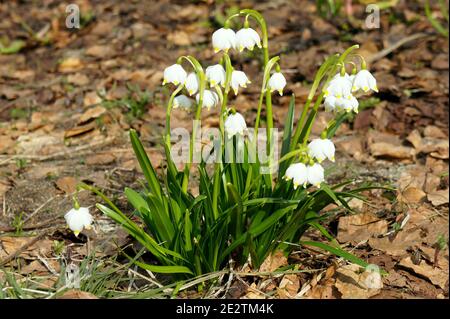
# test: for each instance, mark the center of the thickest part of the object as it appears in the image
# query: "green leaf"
(144, 162)
(288, 126)
(338, 252)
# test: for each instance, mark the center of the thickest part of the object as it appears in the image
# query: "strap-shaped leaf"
(144, 162)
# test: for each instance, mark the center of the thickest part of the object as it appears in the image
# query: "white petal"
(175, 74)
(277, 82)
(182, 101)
(192, 83)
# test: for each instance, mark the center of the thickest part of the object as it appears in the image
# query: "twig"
(22, 248)
(394, 47)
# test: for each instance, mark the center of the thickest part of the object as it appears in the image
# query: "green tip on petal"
(76, 233)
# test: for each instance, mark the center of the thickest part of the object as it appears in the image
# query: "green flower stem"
(202, 81)
(169, 112)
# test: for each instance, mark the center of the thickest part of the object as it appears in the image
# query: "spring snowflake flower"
(235, 124)
(238, 78)
(78, 219)
(223, 39)
(315, 174)
(339, 87)
(348, 105)
(277, 82)
(364, 81)
(182, 101)
(298, 173)
(192, 83)
(247, 38)
(321, 149)
(210, 99)
(174, 74)
(215, 74)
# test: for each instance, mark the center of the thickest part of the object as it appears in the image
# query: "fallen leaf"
(438, 198)
(438, 276)
(273, 262)
(78, 79)
(77, 294)
(355, 285)
(70, 64)
(360, 227)
(11, 245)
(434, 132)
(288, 287)
(91, 113)
(67, 184)
(411, 195)
(78, 130)
(99, 51)
(390, 150)
(100, 159)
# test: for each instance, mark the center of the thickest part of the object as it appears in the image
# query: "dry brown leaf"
(438, 198)
(77, 294)
(78, 79)
(355, 285)
(273, 262)
(390, 150)
(91, 98)
(434, 132)
(438, 276)
(78, 130)
(99, 51)
(6, 143)
(100, 159)
(411, 195)
(91, 113)
(360, 227)
(10, 245)
(70, 64)
(288, 287)
(67, 184)
(398, 246)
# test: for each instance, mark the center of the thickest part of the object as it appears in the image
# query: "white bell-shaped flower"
(235, 124)
(210, 99)
(321, 149)
(182, 101)
(247, 38)
(339, 87)
(223, 39)
(315, 174)
(238, 79)
(348, 104)
(365, 81)
(277, 82)
(330, 103)
(298, 173)
(215, 74)
(78, 219)
(192, 83)
(174, 74)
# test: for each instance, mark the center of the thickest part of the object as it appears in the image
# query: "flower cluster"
(339, 93)
(223, 39)
(339, 96)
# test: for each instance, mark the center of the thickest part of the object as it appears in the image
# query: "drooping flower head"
(192, 83)
(78, 219)
(321, 149)
(216, 74)
(238, 79)
(247, 38)
(364, 81)
(235, 124)
(174, 74)
(182, 101)
(210, 99)
(339, 87)
(277, 82)
(223, 39)
(315, 174)
(298, 173)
